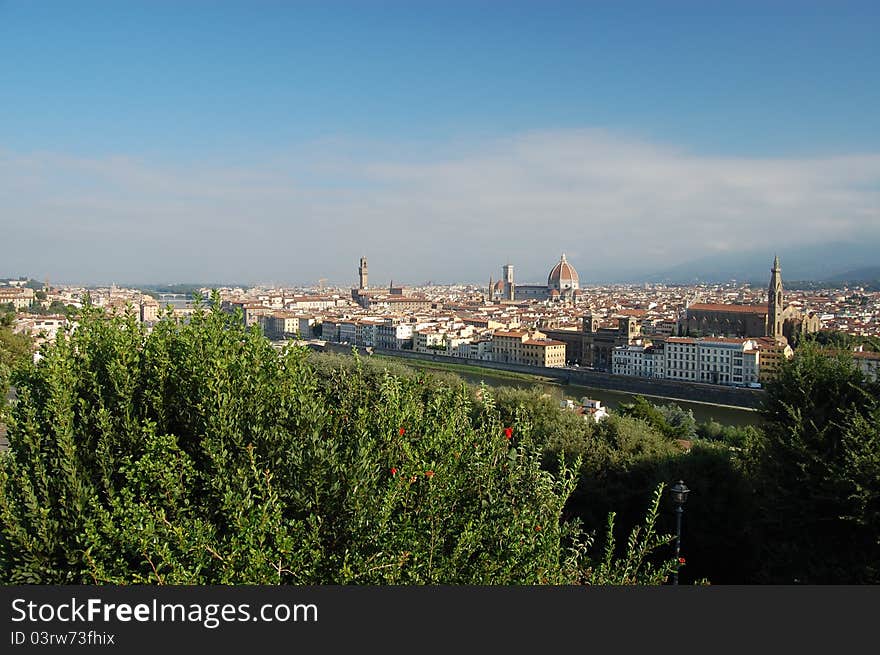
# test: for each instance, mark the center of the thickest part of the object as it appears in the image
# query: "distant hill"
(866, 274)
(836, 262)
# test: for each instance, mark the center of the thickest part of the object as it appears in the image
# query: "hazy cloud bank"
(616, 206)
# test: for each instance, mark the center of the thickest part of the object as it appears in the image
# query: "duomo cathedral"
(562, 285)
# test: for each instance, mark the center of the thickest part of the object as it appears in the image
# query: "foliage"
(197, 453)
(817, 472)
(735, 436)
(736, 528)
(835, 339)
(56, 307)
(15, 350)
(670, 420)
(635, 564)
(680, 423)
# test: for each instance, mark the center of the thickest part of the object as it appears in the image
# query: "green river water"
(611, 399)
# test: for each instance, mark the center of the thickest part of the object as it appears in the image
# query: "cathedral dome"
(563, 277)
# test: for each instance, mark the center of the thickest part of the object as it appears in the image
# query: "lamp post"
(679, 496)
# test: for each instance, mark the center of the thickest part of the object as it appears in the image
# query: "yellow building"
(771, 354)
(507, 345)
(528, 348)
(20, 297)
(543, 352)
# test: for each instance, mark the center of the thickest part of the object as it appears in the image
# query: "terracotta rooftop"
(737, 309)
(506, 333)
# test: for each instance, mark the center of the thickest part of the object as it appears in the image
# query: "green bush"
(816, 472)
(199, 454)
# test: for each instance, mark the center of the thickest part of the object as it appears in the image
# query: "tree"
(199, 454)
(670, 419)
(817, 472)
(15, 350)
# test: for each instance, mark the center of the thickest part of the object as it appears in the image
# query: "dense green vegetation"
(835, 339)
(56, 307)
(797, 500)
(816, 471)
(198, 453)
(15, 350)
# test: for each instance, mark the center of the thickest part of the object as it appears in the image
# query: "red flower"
(681, 560)
(393, 471)
(537, 528)
(429, 474)
(401, 431)
(508, 433)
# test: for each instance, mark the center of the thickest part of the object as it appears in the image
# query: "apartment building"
(394, 335)
(641, 359)
(772, 353)
(713, 360)
(19, 297)
(529, 348)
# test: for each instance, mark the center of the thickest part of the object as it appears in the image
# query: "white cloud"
(613, 204)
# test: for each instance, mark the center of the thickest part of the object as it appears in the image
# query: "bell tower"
(774, 301)
(507, 272)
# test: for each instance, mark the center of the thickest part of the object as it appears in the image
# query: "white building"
(479, 349)
(429, 340)
(640, 360)
(713, 360)
(41, 328)
(590, 409)
(348, 331)
(593, 409)
(393, 335)
(366, 332)
(305, 327)
(330, 330)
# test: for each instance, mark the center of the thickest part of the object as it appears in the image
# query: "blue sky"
(355, 123)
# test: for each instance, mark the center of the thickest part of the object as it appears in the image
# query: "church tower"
(362, 274)
(507, 272)
(774, 301)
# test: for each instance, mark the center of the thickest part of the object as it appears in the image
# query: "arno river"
(611, 399)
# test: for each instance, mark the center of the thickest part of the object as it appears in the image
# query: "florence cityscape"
(412, 294)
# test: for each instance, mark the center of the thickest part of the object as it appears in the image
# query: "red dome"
(563, 277)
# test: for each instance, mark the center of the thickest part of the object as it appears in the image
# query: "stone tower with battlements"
(362, 274)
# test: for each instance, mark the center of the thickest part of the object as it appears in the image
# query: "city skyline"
(161, 142)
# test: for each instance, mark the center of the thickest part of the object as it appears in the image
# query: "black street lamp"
(679, 496)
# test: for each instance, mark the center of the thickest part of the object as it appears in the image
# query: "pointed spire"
(776, 263)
